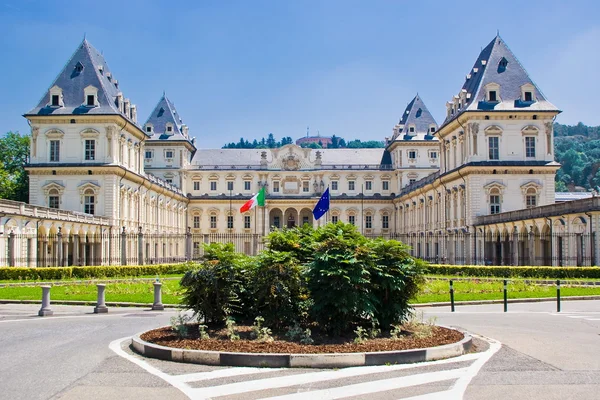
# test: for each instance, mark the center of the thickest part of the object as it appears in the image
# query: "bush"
(59, 273)
(212, 290)
(299, 241)
(339, 279)
(276, 288)
(515, 272)
(396, 279)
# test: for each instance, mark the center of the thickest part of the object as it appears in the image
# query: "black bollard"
(451, 296)
(558, 295)
(505, 296)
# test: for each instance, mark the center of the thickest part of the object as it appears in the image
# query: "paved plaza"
(529, 352)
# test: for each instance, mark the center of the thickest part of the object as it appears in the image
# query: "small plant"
(202, 332)
(259, 332)
(305, 338)
(418, 327)
(296, 333)
(374, 331)
(179, 325)
(396, 332)
(361, 335)
(231, 331)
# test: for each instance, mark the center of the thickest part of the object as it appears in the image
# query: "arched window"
(89, 201)
(531, 198)
(494, 201)
(53, 198)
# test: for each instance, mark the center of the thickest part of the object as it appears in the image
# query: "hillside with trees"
(14, 181)
(577, 149)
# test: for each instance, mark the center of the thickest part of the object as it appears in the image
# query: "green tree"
(14, 181)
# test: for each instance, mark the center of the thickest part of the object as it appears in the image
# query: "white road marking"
(375, 386)
(577, 316)
(115, 346)
(222, 373)
(180, 382)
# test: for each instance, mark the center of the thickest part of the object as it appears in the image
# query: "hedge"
(515, 272)
(58, 273)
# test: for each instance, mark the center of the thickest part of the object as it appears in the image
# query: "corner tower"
(413, 146)
(496, 141)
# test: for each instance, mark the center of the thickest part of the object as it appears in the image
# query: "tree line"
(577, 149)
(271, 143)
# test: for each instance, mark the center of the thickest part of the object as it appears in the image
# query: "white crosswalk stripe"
(453, 376)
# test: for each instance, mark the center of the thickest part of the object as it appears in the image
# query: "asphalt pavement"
(530, 352)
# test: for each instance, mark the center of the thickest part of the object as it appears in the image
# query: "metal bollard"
(158, 305)
(451, 296)
(558, 295)
(101, 305)
(505, 296)
(45, 310)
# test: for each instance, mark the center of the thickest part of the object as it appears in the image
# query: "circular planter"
(324, 360)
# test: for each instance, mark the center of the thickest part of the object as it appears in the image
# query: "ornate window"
(352, 219)
(412, 155)
(334, 219)
(275, 186)
(89, 201)
(213, 221)
(247, 185)
(305, 186)
(53, 199)
(247, 222)
(531, 192)
(351, 185)
(196, 185)
(368, 221)
(369, 185)
(230, 186)
(334, 185)
(528, 93)
(494, 201)
(54, 150)
(494, 147)
(230, 222)
(196, 222)
(529, 146)
(385, 185)
(385, 221)
(90, 149)
(492, 93)
(213, 186)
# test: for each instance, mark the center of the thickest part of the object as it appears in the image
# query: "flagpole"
(362, 208)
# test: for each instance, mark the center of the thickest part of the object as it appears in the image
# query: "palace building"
(477, 188)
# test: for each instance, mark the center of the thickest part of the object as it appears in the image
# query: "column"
(531, 246)
(92, 253)
(76, 245)
(123, 247)
(515, 246)
(188, 243)
(11, 249)
(140, 246)
(59, 249)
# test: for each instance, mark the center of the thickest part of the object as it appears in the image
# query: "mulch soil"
(323, 344)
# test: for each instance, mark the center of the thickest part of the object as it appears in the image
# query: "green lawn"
(475, 289)
(135, 292)
(432, 291)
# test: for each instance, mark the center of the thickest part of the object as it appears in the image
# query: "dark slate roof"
(417, 114)
(73, 80)
(497, 64)
(165, 113)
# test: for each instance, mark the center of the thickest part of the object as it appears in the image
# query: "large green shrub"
(276, 289)
(395, 279)
(299, 241)
(339, 278)
(212, 290)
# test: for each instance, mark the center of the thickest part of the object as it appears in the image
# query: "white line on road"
(222, 373)
(115, 346)
(375, 386)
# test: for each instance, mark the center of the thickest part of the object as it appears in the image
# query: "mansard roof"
(496, 64)
(418, 116)
(86, 67)
(163, 114)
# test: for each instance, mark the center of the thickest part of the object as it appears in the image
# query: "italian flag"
(257, 200)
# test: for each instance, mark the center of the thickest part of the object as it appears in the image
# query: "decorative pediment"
(494, 186)
(493, 130)
(89, 133)
(230, 177)
(94, 187)
(335, 211)
(54, 133)
(530, 130)
(53, 186)
(247, 177)
(213, 211)
(531, 187)
(213, 177)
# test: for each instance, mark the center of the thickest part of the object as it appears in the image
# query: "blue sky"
(246, 68)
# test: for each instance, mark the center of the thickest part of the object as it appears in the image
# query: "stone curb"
(325, 360)
(86, 303)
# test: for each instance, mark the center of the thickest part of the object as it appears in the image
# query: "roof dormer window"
(78, 67)
(411, 129)
(56, 97)
(169, 128)
(492, 92)
(528, 93)
(148, 128)
(492, 95)
(91, 96)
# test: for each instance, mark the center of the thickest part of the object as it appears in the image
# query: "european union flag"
(322, 206)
